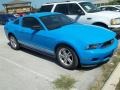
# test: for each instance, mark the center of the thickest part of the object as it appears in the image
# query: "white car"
(85, 13)
(110, 8)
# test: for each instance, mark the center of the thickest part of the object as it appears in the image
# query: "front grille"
(108, 43)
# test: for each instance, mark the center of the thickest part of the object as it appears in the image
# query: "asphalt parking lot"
(27, 70)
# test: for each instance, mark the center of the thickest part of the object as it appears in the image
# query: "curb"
(113, 80)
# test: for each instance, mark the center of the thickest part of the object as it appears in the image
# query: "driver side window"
(31, 22)
(74, 9)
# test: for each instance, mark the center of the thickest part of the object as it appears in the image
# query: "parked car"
(85, 13)
(57, 35)
(110, 8)
(5, 18)
(19, 14)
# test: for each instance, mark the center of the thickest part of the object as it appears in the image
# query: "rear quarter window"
(16, 22)
(46, 8)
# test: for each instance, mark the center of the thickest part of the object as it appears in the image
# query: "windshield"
(89, 7)
(56, 21)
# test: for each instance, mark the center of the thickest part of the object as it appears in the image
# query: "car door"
(17, 29)
(75, 12)
(62, 8)
(34, 35)
(89, 17)
(23, 30)
(72, 10)
(28, 30)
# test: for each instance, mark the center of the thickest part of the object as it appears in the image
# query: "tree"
(115, 2)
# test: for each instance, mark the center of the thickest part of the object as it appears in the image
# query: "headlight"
(115, 21)
(93, 46)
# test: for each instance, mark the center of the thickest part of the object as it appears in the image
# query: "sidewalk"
(113, 80)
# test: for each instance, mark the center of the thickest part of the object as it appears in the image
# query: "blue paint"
(76, 35)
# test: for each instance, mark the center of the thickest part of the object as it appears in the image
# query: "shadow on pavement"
(91, 67)
(53, 59)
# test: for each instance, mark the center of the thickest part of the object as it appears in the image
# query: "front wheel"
(101, 25)
(14, 43)
(67, 57)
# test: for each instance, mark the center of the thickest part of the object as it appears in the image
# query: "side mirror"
(9, 20)
(80, 12)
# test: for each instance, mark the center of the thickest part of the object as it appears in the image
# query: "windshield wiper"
(52, 28)
(69, 23)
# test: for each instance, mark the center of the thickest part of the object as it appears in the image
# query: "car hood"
(110, 14)
(84, 33)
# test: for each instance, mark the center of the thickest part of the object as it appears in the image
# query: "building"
(101, 2)
(17, 6)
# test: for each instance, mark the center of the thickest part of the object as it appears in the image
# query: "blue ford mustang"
(55, 34)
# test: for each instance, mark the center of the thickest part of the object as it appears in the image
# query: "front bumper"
(97, 56)
(114, 26)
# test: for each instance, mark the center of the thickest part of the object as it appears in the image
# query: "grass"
(67, 82)
(64, 83)
(118, 86)
(107, 69)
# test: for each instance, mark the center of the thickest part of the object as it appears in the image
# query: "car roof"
(41, 14)
(63, 2)
(5, 14)
(110, 6)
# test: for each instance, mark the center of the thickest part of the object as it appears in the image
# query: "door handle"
(89, 18)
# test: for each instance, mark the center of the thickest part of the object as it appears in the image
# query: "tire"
(13, 42)
(101, 25)
(67, 57)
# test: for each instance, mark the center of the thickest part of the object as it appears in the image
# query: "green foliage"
(64, 83)
(118, 86)
(114, 2)
(107, 70)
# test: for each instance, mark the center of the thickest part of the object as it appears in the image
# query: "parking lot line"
(27, 69)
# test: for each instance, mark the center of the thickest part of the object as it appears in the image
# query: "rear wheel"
(13, 42)
(67, 57)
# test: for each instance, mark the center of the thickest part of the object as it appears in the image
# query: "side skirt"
(38, 51)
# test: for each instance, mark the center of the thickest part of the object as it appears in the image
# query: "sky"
(35, 3)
